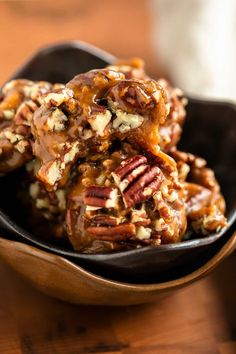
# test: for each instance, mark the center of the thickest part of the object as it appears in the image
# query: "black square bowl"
(210, 131)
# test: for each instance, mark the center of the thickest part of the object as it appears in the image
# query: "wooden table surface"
(198, 320)
(120, 27)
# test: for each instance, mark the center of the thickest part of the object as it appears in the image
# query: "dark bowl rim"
(13, 227)
(89, 48)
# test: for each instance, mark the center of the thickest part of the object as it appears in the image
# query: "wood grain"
(197, 320)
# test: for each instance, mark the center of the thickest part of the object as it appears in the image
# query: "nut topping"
(115, 233)
(137, 181)
(100, 122)
(144, 187)
(56, 122)
(139, 217)
(143, 233)
(105, 220)
(104, 197)
(126, 121)
(127, 166)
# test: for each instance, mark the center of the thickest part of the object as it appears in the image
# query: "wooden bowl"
(62, 279)
(210, 131)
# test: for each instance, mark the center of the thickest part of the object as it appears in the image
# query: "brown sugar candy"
(124, 200)
(92, 111)
(105, 172)
(170, 131)
(205, 205)
(19, 100)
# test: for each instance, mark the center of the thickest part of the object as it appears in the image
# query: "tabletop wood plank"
(120, 27)
(199, 320)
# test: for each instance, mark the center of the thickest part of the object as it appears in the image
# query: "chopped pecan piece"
(143, 233)
(139, 217)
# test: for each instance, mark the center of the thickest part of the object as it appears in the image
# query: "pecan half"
(128, 170)
(114, 233)
(137, 180)
(103, 219)
(98, 196)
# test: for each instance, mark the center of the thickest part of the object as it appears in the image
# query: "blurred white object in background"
(195, 41)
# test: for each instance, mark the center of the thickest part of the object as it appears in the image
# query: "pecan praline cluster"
(102, 169)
